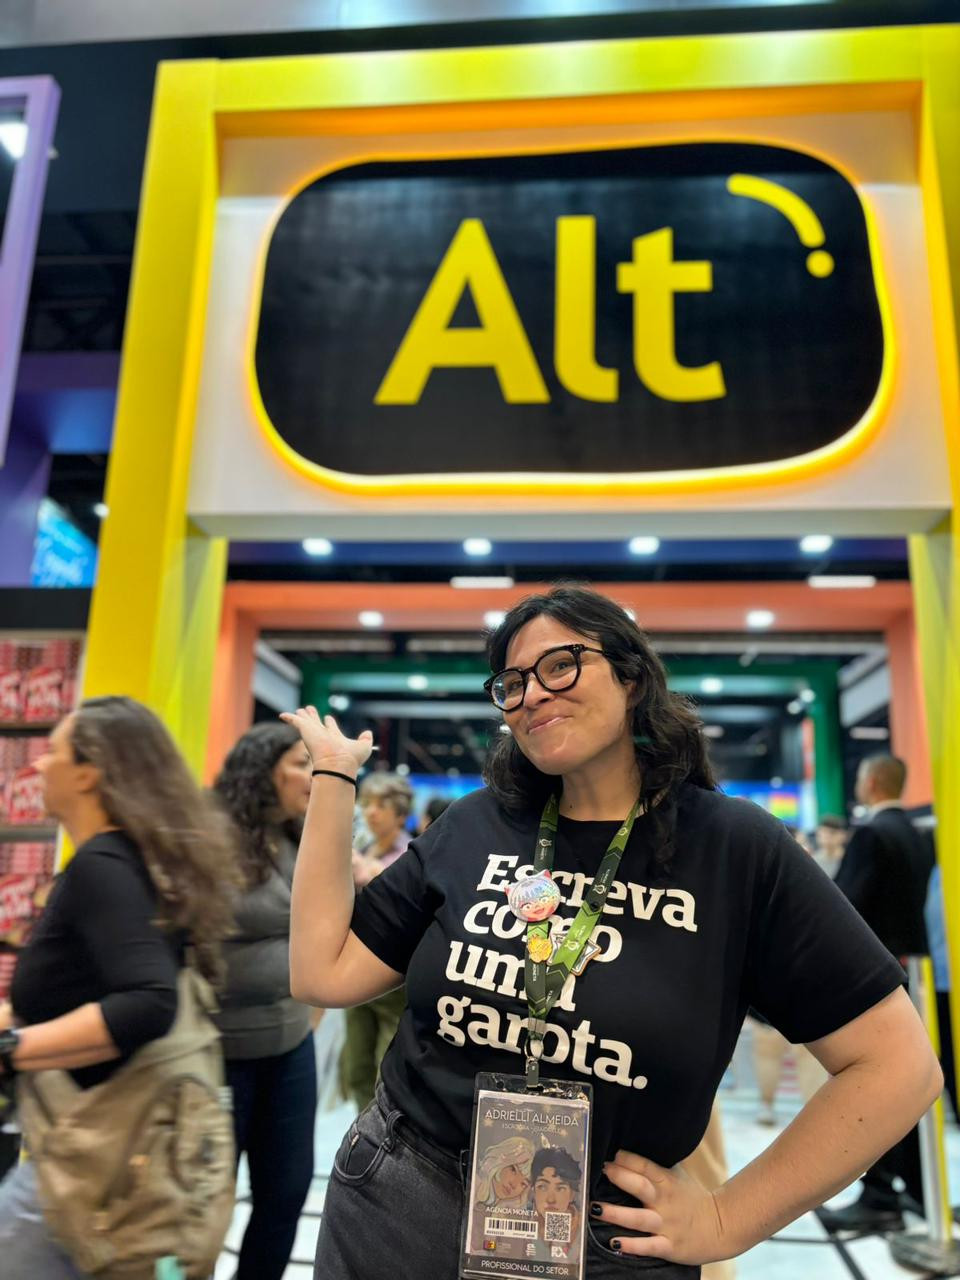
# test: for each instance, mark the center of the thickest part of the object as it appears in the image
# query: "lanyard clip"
(533, 1073)
(534, 1053)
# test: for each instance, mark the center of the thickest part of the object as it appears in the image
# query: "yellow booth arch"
(156, 605)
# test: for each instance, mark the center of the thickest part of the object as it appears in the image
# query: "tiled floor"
(804, 1252)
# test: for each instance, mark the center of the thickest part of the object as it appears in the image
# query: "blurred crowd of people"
(167, 879)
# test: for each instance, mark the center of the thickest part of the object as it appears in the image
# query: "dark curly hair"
(667, 732)
(246, 789)
(560, 1161)
(185, 841)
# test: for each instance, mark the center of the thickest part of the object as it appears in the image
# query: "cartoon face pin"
(535, 898)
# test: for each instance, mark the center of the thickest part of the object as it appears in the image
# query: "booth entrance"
(197, 457)
(490, 386)
(682, 617)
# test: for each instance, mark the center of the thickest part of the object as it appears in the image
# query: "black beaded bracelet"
(332, 773)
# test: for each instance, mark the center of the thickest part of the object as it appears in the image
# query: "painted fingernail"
(616, 1245)
(596, 1210)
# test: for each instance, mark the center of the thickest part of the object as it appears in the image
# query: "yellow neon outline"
(755, 475)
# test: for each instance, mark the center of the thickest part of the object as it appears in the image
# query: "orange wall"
(251, 607)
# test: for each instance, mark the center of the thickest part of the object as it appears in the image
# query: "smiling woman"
(597, 711)
(671, 910)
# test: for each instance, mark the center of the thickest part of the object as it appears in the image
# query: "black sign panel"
(663, 308)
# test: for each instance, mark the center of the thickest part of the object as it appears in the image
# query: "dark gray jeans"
(394, 1204)
(27, 1249)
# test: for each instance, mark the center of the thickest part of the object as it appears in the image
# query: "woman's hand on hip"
(325, 742)
(682, 1219)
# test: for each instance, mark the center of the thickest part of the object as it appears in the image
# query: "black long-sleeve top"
(98, 942)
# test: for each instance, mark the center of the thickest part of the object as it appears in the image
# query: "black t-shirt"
(742, 917)
(98, 942)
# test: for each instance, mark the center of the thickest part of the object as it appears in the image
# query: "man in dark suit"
(884, 874)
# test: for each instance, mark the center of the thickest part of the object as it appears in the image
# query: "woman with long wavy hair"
(675, 908)
(152, 876)
(267, 1042)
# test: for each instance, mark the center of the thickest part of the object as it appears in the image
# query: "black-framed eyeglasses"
(557, 669)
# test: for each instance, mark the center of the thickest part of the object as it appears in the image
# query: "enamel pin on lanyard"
(548, 963)
(530, 1143)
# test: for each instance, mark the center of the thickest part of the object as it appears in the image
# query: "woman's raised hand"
(325, 742)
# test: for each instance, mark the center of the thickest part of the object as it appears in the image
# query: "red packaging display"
(12, 756)
(21, 789)
(40, 696)
(23, 858)
(25, 803)
(17, 907)
(9, 683)
(38, 685)
(8, 962)
(38, 680)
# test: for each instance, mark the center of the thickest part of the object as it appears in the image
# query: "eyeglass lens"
(555, 671)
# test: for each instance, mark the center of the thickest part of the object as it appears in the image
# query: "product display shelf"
(14, 832)
(39, 675)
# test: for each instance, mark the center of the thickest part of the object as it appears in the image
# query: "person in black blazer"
(884, 874)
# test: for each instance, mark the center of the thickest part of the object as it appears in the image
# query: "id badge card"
(525, 1212)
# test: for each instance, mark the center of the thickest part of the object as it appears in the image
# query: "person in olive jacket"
(267, 1036)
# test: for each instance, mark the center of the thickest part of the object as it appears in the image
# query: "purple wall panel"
(23, 485)
(38, 98)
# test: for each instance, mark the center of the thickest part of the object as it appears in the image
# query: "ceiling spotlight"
(475, 581)
(453, 773)
(13, 138)
(795, 707)
(808, 696)
(776, 782)
(758, 619)
(402, 770)
(711, 684)
(101, 510)
(339, 701)
(841, 581)
(713, 731)
(317, 546)
(417, 682)
(477, 546)
(493, 617)
(643, 546)
(814, 544)
(371, 618)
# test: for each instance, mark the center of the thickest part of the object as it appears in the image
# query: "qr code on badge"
(556, 1228)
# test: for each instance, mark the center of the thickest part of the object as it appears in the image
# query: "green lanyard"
(545, 978)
